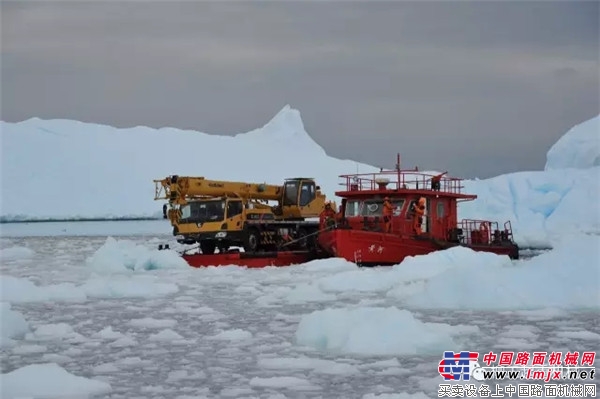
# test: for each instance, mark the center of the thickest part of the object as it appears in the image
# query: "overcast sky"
(476, 88)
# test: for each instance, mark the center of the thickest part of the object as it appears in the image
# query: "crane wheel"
(207, 247)
(251, 241)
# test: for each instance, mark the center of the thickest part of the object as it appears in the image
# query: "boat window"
(440, 209)
(307, 193)
(399, 205)
(234, 208)
(352, 208)
(290, 196)
(372, 208)
(409, 210)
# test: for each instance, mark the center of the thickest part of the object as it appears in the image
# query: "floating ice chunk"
(233, 335)
(28, 349)
(57, 331)
(48, 380)
(381, 364)
(105, 368)
(133, 361)
(569, 282)
(305, 363)
(165, 335)
(580, 335)
(20, 290)
(15, 253)
(123, 342)
(132, 287)
(149, 322)
(126, 255)
(179, 375)
(283, 382)
(305, 293)
(232, 392)
(373, 331)
(108, 333)
(12, 324)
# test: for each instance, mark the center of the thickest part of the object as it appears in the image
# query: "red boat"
(362, 233)
(359, 233)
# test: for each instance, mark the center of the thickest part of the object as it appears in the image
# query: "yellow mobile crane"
(220, 214)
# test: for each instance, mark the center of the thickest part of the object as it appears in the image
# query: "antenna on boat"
(398, 169)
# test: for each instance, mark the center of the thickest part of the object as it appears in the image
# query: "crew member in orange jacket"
(326, 214)
(419, 211)
(388, 211)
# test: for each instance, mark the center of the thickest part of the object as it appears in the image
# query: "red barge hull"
(250, 260)
(363, 248)
(366, 248)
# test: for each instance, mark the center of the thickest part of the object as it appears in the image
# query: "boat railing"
(397, 180)
(476, 231)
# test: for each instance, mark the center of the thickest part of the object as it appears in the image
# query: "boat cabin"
(362, 207)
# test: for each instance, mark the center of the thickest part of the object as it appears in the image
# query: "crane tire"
(252, 240)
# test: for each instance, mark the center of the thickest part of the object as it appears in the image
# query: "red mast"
(398, 169)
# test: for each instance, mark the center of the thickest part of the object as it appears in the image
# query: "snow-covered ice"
(579, 148)
(12, 253)
(390, 331)
(541, 205)
(12, 323)
(322, 329)
(48, 380)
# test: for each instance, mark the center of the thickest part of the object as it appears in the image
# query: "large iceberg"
(578, 148)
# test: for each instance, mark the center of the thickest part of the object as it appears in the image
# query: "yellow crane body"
(220, 214)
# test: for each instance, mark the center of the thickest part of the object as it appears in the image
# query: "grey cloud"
(479, 88)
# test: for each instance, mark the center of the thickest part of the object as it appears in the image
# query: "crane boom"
(179, 189)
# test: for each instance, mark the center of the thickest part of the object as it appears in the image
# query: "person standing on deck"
(326, 215)
(419, 211)
(388, 211)
(436, 181)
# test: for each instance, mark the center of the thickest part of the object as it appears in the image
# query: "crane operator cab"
(302, 198)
